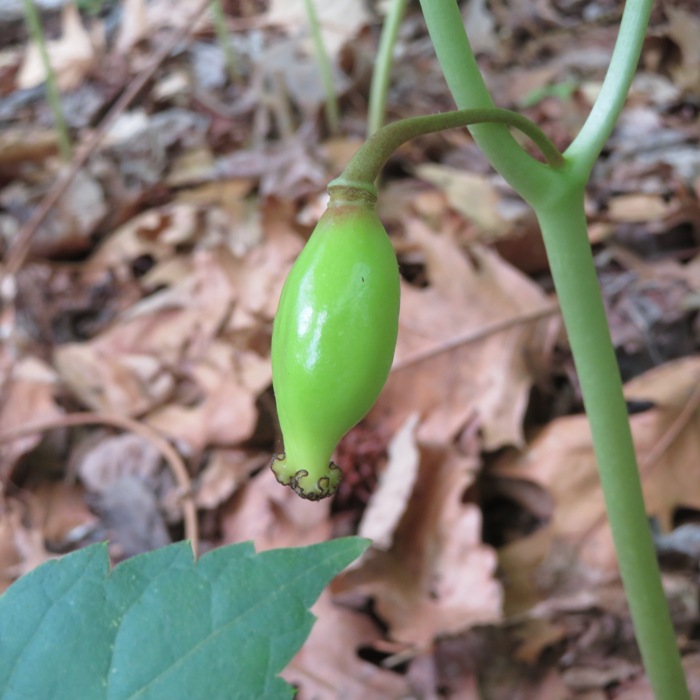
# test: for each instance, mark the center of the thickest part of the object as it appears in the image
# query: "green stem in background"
(382, 69)
(564, 230)
(224, 40)
(36, 31)
(558, 204)
(324, 65)
(595, 132)
(365, 166)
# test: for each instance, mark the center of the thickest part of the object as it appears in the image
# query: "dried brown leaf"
(639, 207)
(27, 542)
(684, 29)
(491, 376)
(226, 470)
(154, 233)
(27, 397)
(472, 195)
(133, 27)
(127, 383)
(61, 509)
(9, 556)
(561, 460)
(438, 577)
(258, 277)
(396, 482)
(328, 666)
(72, 56)
(273, 516)
(126, 369)
(26, 142)
(340, 21)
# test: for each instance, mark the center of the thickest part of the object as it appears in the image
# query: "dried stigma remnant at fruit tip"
(333, 339)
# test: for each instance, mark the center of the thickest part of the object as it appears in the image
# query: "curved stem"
(563, 225)
(382, 69)
(529, 178)
(587, 146)
(365, 166)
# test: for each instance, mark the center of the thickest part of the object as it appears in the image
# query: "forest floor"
(140, 278)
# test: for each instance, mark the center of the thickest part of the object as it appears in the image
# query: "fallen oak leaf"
(438, 577)
(328, 664)
(490, 375)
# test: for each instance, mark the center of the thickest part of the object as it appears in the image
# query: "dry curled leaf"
(437, 578)
(328, 665)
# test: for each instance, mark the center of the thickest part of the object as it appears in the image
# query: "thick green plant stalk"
(382, 70)
(557, 198)
(324, 65)
(36, 31)
(565, 235)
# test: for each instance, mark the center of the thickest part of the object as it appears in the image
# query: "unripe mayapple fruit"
(336, 326)
(333, 339)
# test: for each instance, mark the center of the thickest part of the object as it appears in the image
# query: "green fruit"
(333, 339)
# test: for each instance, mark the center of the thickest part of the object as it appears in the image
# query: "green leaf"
(162, 626)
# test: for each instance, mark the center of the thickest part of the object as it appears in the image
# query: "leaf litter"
(137, 316)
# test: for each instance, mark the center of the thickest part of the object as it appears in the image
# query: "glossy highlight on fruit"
(333, 339)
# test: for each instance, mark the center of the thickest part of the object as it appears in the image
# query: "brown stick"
(472, 336)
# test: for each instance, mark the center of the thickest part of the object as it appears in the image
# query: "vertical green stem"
(557, 197)
(53, 96)
(224, 40)
(324, 65)
(382, 69)
(564, 230)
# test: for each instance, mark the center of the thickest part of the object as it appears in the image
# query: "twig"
(129, 424)
(473, 336)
